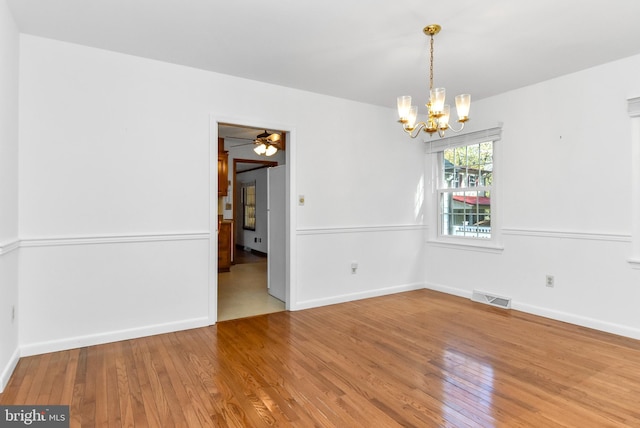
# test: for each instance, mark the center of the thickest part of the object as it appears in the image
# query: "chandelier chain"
(431, 65)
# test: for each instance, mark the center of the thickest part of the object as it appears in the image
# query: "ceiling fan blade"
(274, 138)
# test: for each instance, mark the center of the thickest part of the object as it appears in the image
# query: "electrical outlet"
(354, 267)
(550, 282)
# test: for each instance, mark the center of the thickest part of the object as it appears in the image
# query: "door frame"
(290, 191)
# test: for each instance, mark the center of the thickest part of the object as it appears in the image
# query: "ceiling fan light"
(270, 150)
(260, 149)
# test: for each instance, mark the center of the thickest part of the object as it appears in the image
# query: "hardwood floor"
(420, 358)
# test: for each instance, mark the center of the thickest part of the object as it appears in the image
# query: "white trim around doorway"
(290, 158)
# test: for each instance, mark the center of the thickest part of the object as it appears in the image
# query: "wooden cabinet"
(225, 227)
(225, 245)
(223, 174)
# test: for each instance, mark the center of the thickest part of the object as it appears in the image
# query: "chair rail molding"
(8, 246)
(567, 234)
(55, 241)
(359, 229)
(633, 105)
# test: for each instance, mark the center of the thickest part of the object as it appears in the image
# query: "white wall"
(388, 260)
(115, 173)
(565, 194)
(94, 292)
(9, 58)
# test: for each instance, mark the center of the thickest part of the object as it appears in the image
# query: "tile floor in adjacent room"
(242, 292)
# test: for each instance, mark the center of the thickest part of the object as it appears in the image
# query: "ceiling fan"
(268, 143)
(268, 137)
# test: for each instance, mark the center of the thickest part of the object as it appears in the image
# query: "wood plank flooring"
(421, 358)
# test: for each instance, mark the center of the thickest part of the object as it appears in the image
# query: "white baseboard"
(595, 324)
(450, 290)
(618, 329)
(108, 337)
(314, 303)
(7, 371)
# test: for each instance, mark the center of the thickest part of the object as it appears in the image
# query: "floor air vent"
(491, 299)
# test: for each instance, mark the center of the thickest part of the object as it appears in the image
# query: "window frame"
(435, 162)
(463, 180)
(249, 206)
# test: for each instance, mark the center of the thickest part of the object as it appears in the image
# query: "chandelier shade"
(438, 112)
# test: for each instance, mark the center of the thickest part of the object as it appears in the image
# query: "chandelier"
(439, 112)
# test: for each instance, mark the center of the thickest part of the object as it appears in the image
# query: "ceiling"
(370, 51)
(229, 131)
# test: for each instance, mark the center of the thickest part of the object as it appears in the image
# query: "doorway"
(242, 290)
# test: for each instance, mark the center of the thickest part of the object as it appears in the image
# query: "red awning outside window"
(472, 200)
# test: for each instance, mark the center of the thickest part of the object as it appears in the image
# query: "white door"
(277, 231)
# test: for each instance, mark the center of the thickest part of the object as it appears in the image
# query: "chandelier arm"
(417, 128)
(456, 130)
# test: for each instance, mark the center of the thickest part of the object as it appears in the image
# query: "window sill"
(467, 245)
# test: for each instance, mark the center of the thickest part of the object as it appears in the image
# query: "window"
(463, 191)
(249, 206)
